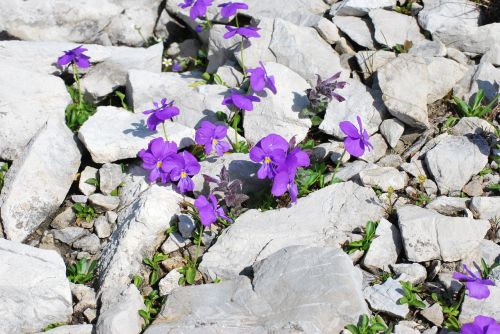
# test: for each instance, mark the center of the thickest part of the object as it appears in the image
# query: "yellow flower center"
(183, 175)
(159, 164)
(267, 160)
(214, 141)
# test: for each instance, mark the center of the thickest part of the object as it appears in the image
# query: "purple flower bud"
(357, 141)
(75, 56)
(209, 210)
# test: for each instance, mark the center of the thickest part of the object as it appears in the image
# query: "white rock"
(196, 103)
(102, 227)
(360, 101)
(46, 173)
(104, 203)
(29, 100)
(89, 244)
(392, 28)
(230, 75)
(485, 207)
(357, 28)
(359, 7)
(488, 307)
(426, 48)
(469, 39)
(64, 219)
(378, 151)
(174, 242)
(428, 235)
(450, 177)
(384, 178)
(392, 129)
(328, 30)
(264, 305)
(34, 285)
(371, 61)
(450, 206)
(442, 15)
(412, 272)
(122, 317)
(71, 329)
(472, 126)
(186, 225)
(140, 231)
(404, 83)
(113, 134)
(110, 177)
(385, 248)
(252, 238)
(279, 113)
(70, 234)
(168, 283)
(443, 74)
(84, 296)
(384, 298)
(87, 174)
(295, 11)
(485, 77)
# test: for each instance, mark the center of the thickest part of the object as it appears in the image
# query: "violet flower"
(185, 166)
(157, 159)
(230, 8)
(477, 286)
(211, 136)
(357, 141)
(285, 178)
(260, 80)
(161, 112)
(246, 32)
(271, 151)
(76, 57)
(198, 8)
(209, 210)
(241, 101)
(481, 325)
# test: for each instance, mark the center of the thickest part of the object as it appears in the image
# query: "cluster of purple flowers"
(280, 160)
(164, 162)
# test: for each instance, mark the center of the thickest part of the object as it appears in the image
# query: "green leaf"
(364, 321)
(138, 280)
(420, 304)
(93, 182)
(316, 120)
(153, 278)
(221, 116)
(352, 328)
(190, 275)
(121, 96)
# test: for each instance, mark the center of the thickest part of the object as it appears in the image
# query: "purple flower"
(476, 285)
(244, 102)
(285, 178)
(185, 166)
(75, 56)
(176, 67)
(198, 9)
(481, 325)
(211, 135)
(357, 141)
(271, 151)
(209, 210)
(157, 158)
(246, 32)
(325, 90)
(260, 80)
(160, 113)
(230, 8)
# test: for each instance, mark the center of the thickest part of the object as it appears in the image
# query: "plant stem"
(164, 131)
(77, 80)
(339, 161)
(198, 244)
(235, 127)
(241, 50)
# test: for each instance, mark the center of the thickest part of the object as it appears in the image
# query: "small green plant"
(369, 325)
(402, 48)
(308, 179)
(93, 181)
(450, 122)
(153, 304)
(485, 171)
(486, 269)
(138, 280)
(363, 244)
(81, 272)
(406, 8)
(154, 264)
(476, 109)
(122, 97)
(84, 212)
(381, 277)
(451, 310)
(3, 170)
(188, 273)
(411, 297)
(494, 187)
(79, 111)
(53, 325)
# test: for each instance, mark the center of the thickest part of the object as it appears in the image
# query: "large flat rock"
(39, 179)
(338, 210)
(35, 291)
(265, 304)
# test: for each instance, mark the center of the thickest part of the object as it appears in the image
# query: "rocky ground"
(88, 245)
